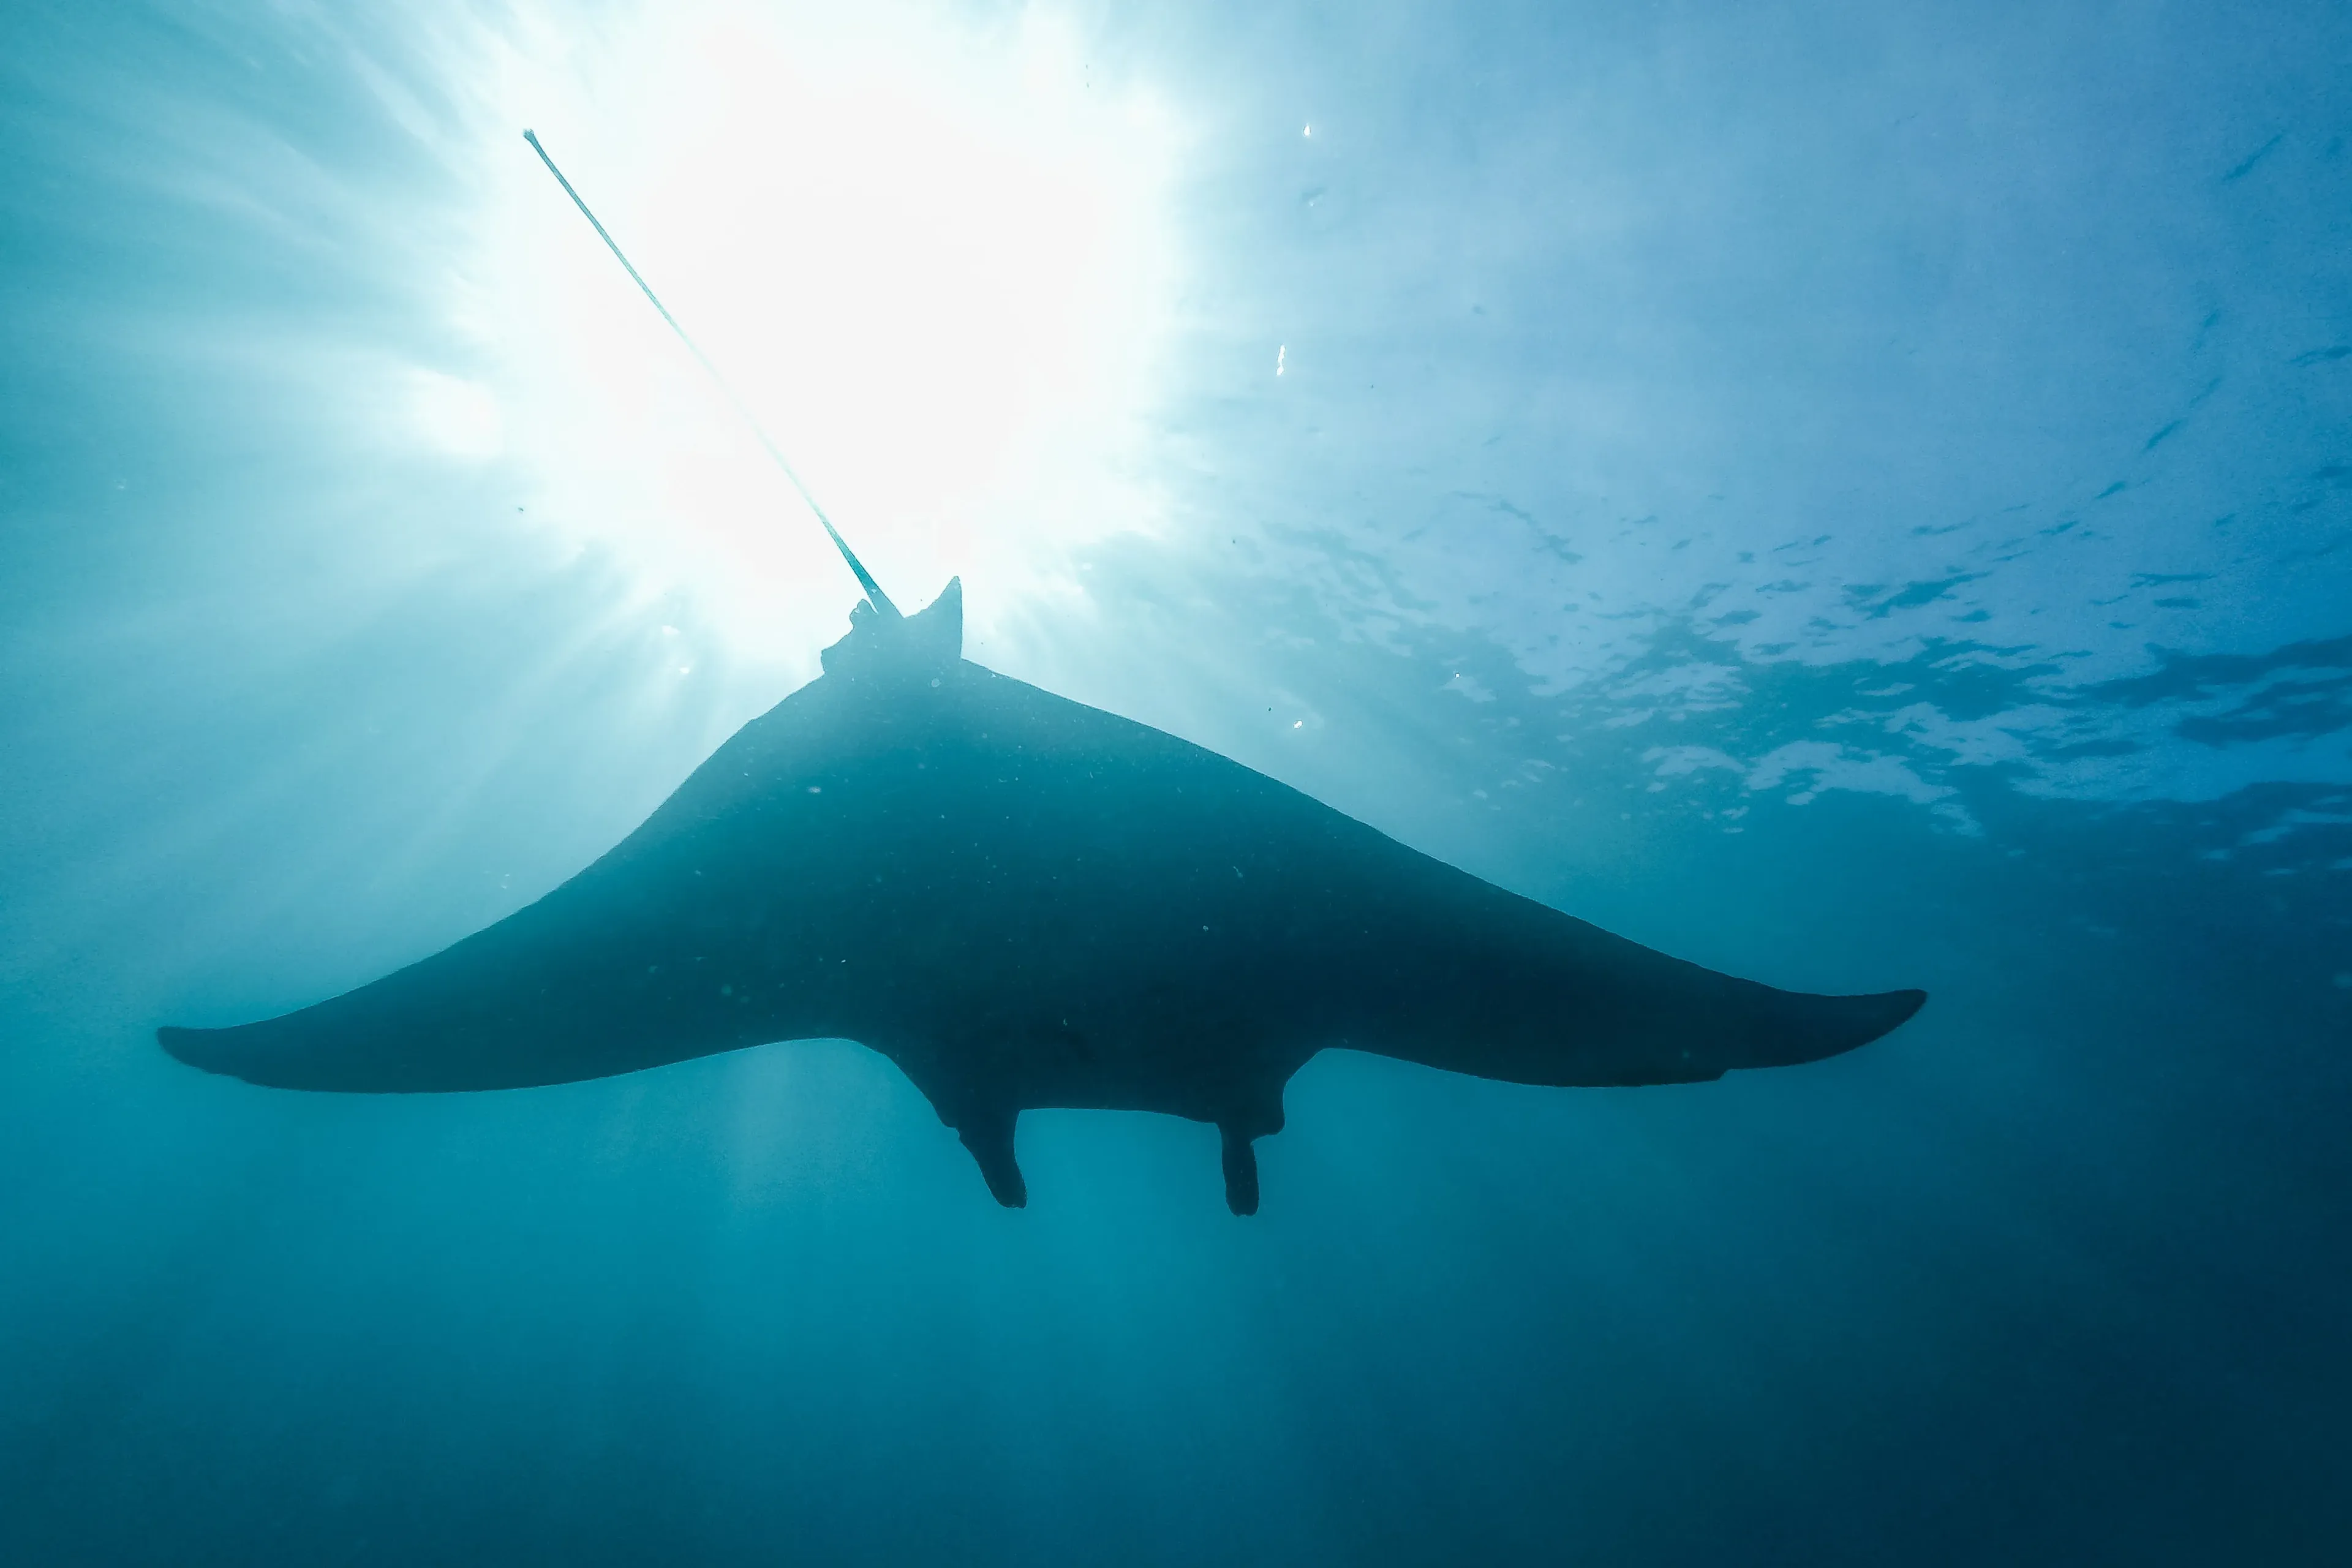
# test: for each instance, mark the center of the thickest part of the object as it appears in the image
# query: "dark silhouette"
(1025, 902)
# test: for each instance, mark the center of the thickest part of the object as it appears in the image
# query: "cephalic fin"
(1240, 1171)
(988, 1136)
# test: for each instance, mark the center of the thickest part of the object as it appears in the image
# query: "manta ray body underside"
(1025, 902)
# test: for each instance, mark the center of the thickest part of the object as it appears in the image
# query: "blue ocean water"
(1852, 496)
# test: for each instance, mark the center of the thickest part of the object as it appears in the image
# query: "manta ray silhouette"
(1025, 902)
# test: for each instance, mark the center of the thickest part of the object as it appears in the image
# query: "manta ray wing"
(1027, 903)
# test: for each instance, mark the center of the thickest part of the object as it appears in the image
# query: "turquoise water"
(1853, 497)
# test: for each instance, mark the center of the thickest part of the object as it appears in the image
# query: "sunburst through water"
(1852, 498)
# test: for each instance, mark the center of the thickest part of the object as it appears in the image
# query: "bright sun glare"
(930, 260)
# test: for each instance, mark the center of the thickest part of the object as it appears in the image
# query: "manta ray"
(1026, 903)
